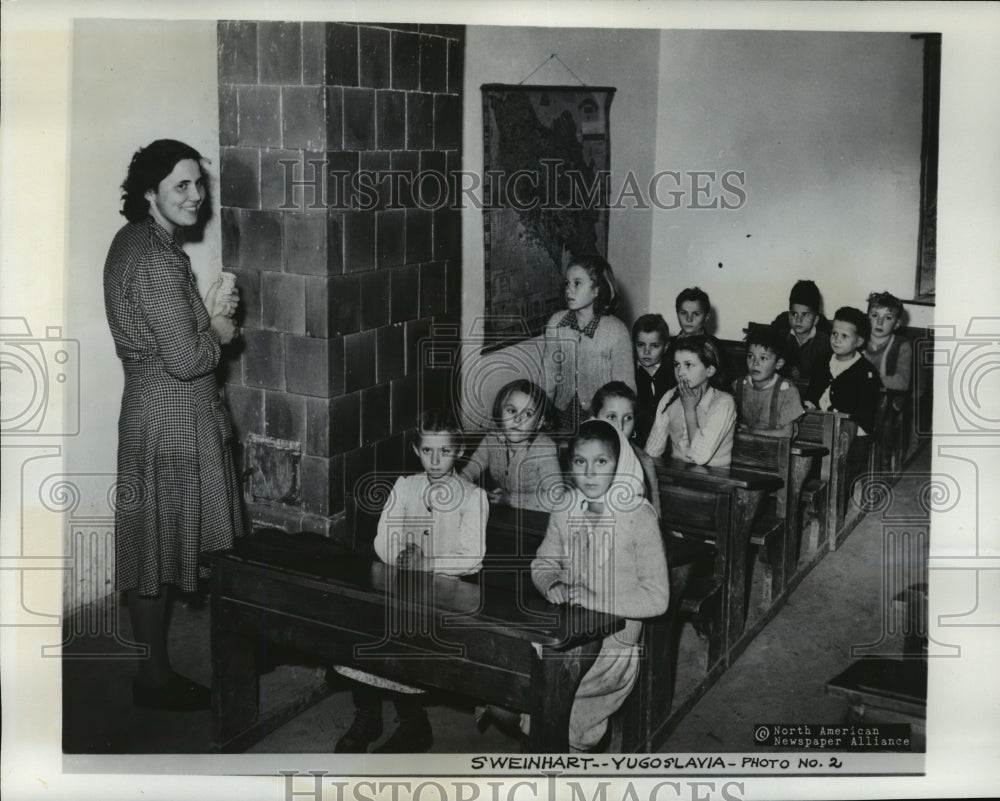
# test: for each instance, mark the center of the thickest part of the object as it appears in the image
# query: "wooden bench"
(716, 506)
(824, 494)
(776, 532)
(513, 537)
(883, 690)
(481, 636)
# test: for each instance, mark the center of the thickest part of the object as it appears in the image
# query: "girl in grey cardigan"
(586, 346)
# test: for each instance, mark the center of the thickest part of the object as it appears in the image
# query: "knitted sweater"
(802, 358)
(447, 519)
(577, 364)
(526, 472)
(854, 392)
(618, 555)
(894, 362)
(773, 408)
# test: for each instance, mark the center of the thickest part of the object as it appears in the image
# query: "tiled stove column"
(336, 292)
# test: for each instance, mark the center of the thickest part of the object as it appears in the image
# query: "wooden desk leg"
(792, 544)
(234, 680)
(743, 509)
(555, 675)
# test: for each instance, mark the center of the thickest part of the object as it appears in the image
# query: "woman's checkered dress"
(177, 490)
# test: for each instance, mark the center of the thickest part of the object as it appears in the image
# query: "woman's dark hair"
(534, 392)
(149, 166)
(603, 278)
(597, 431)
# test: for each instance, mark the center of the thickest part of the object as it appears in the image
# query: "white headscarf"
(627, 490)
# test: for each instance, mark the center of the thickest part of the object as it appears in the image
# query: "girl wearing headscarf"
(603, 551)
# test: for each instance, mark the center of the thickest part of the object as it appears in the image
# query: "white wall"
(132, 82)
(826, 127)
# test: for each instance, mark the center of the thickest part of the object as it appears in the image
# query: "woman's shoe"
(177, 695)
(366, 729)
(505, 720)
(412, 736)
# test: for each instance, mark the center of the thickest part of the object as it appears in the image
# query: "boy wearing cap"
(806, 331)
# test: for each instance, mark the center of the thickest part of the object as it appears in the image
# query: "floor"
(844, 603)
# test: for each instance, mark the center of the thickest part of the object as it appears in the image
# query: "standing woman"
(177, 490)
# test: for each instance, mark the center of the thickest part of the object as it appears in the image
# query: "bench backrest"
(757, 452)
(835, 432)
(770, 455)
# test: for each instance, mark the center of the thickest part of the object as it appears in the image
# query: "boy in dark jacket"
(805, 329)
(847, 382)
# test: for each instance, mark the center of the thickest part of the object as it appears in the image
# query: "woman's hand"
(221, 301)
(809, 405)
(558, 593)
(225, 328)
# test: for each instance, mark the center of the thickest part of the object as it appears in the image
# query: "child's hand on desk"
(582, 596)
(809, 404)
(411, 558)
(558, 593)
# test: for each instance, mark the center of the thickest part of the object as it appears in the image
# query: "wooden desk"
(879, 689)
(834, 432)
(717, 504)
(513, 535)
(494, 639)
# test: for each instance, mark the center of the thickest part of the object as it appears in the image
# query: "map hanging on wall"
(548, 166)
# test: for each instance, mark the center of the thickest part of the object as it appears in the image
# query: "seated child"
(846, 382)
(586, 346)
(693, 312)
(603, 552)
(615, 402)
(520, 461)
(701, 426)
(650, 335)
(767, 403)
(435, 522)
(889, 352)
(806, 331)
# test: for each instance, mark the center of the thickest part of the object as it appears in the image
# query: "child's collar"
(770, 383)
(837, 366)
(810, 335)
(570, 320)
